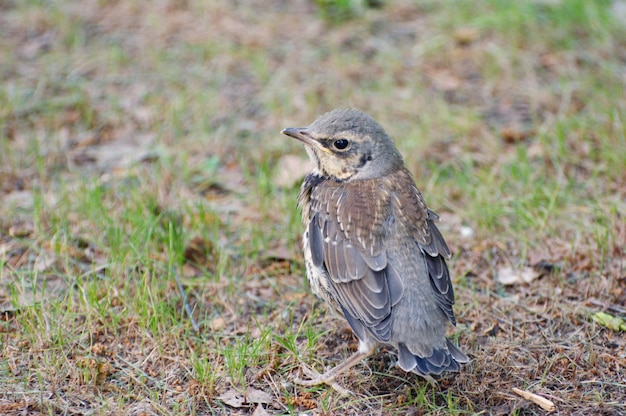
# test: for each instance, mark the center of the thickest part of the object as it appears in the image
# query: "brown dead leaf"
(44, 262)
(202, 252)
(260, 411)
(235, 398)
(258, 396)
(510, 276)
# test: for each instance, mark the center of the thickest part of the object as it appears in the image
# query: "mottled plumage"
(371, 247)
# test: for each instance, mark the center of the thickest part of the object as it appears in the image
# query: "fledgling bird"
(371, 247)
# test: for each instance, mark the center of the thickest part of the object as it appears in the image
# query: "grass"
(139, 141)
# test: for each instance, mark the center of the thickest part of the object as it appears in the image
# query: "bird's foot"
(316, 378)
(431, 380)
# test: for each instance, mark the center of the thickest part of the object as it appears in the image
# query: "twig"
(544, 403)
(188, 310)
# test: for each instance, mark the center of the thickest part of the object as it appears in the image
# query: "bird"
(372, 250)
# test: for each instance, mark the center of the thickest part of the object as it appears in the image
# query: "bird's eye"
(341, 144)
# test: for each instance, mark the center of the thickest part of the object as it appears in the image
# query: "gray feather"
(316, 243)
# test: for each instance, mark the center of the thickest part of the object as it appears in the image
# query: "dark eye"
(341, 144)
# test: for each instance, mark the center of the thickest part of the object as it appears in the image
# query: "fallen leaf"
(510, 276)
(234, 398)
(43, 262)
(202, 252)
(260, 411)
(258, 396)
(614, 323)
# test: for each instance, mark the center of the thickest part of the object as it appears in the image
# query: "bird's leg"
(329, 376)
(317, 378)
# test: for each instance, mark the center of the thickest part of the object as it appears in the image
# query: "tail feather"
(457, 354)
(448, 359)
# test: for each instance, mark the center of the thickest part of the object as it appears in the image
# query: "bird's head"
(348, 145)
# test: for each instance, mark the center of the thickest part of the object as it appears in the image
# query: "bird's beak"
(301, 133)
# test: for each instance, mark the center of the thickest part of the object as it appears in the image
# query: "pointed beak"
(302, 134)
(299, 133)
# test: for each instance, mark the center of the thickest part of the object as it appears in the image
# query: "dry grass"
(139, 141)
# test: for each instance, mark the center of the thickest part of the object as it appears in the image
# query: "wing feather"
(410, 206)
(346, 237)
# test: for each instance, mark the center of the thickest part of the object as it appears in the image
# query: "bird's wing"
(408, 206)
(345, 237)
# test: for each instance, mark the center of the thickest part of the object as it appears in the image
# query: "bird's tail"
(445, 359)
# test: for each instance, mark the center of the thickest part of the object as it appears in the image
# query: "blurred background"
(139, 141)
